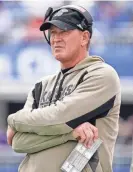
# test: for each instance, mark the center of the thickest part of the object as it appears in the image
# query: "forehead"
(55, 28)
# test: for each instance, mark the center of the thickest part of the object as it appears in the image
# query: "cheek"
(73, 45)
(69, 48)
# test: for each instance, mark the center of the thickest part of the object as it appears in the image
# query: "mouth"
(58, 48)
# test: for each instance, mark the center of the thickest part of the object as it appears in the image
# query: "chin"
(59, 56)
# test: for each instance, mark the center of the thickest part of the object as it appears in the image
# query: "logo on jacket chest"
(48, 97)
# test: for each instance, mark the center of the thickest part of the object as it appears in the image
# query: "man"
(83, 96)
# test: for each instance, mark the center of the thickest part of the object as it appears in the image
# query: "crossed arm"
(31, 143)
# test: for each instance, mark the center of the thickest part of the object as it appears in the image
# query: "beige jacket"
(56, 105)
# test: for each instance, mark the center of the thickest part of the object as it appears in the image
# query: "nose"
(57, 38)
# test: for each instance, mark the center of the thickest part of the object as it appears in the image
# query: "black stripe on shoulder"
(81, 78)
(96, 113)
(36, 94)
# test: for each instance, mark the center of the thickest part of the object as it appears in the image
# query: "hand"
(10, 135)
(86, 133)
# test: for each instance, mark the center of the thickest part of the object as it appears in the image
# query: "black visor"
(65, 19)
(60, 24)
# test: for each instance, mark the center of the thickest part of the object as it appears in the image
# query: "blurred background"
(25, 57)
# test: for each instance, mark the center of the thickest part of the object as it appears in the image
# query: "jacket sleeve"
(94, 96)
(32, 143)
(23, 142)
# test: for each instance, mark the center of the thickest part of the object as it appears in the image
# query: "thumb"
(76, 135)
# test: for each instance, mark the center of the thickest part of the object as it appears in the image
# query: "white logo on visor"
(59, 13)
(79, 25)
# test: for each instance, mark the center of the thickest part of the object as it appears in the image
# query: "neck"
(73, 62)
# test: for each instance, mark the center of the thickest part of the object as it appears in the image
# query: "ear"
(85, 38)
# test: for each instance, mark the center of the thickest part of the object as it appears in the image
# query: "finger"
(76, 134)
(87, 134)
(90, 136)
(9, 141)
(95, 131)
(10, 135)
(82, 136)
(91, 140)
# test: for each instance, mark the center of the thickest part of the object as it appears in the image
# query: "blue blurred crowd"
(23, 48)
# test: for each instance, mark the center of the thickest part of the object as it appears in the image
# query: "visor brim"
(60, 24)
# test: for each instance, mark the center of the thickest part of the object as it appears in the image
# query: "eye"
(65, 32)
(52, 32)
